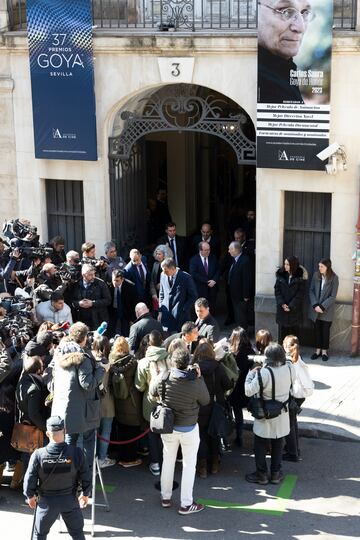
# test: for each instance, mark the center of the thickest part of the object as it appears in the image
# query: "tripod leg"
(93, 490)
(107, 506)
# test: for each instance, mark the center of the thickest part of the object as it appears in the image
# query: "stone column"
(357, 27)
(4, 16)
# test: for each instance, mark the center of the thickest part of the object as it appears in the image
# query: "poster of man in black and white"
(294, 69)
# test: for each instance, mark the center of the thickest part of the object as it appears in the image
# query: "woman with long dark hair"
(241, 348)
(289, 294)
(217, 383)
(323, 290)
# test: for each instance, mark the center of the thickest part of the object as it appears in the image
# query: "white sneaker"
(155, 469)
(107, 462)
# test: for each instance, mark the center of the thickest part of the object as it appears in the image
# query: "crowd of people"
(96, 342)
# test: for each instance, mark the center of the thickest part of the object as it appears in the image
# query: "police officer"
(53, 474)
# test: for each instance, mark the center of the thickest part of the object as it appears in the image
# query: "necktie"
(172, 245)
(118, 303)
(142, 275)
(170, 279)
(206, 268)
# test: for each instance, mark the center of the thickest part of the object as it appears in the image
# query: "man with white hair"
(145, 323)
(91, 298)
(281, 27)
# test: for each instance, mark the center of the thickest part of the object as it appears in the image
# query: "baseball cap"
(54, 423)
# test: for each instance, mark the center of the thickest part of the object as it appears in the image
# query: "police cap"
(54, 423)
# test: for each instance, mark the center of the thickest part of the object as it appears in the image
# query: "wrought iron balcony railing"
(180, 15)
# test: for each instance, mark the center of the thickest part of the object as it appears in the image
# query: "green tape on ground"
(278, 503)
(109, 488)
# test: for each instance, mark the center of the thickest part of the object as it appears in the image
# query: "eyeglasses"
(292, 14)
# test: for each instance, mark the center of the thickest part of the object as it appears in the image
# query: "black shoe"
(276, 477)
(291, 457)
(257, 478)
(324, 357)
(315, 356)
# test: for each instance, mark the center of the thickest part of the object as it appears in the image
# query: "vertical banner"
(62, 79)
(294, 70)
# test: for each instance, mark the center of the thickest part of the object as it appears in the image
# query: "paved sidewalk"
(333, 411)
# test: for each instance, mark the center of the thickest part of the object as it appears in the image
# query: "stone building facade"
(131, 66)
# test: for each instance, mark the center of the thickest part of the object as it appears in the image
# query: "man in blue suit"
(204, 269)
(177, 296)
(137, 272)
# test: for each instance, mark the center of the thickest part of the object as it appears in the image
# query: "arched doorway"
(197, 144)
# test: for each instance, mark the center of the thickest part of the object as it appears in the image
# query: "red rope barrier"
(125, 442)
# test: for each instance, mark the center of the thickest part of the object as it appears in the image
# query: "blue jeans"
(86, 441)
(104, 431)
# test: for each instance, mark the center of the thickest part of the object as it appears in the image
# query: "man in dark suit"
(137, 272)
(91, 298)
(122, 307)
(204, 269)
(145, 324)
(239, 281)
(177, 295)
(189, 334)
(206, 235)
(206, 324)
(177, 244)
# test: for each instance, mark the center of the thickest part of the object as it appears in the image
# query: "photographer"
(54, 310)
(58, 255)
(5, 273)
(91, 298)
(89, 257)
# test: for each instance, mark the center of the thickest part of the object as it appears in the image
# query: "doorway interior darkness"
(195, 142)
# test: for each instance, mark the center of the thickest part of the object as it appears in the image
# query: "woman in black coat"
(289, 294)
(241, 348)
(217, 382)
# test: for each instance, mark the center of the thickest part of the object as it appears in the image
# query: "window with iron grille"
(65, 211)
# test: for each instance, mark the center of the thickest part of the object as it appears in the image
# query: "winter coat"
(292, 294)
(107, 405)
(153, 363)
(184, 394)
(325, 299)
(31, 393)
(217, 382)
(238, 397)
(278, 427)
(127, 411)
(76, 381)
(99, 293)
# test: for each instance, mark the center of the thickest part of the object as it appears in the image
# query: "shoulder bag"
(27, 437)
(256, 402)
(162, 417)
(221, 422)
(273, 407)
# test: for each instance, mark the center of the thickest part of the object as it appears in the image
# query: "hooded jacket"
(76, 398)
(155, 360)
(291, 293)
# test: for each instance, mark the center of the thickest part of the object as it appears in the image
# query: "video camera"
(15, 228)
(39, 252)
(68, 273)
(16, 305)
(96, 263)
